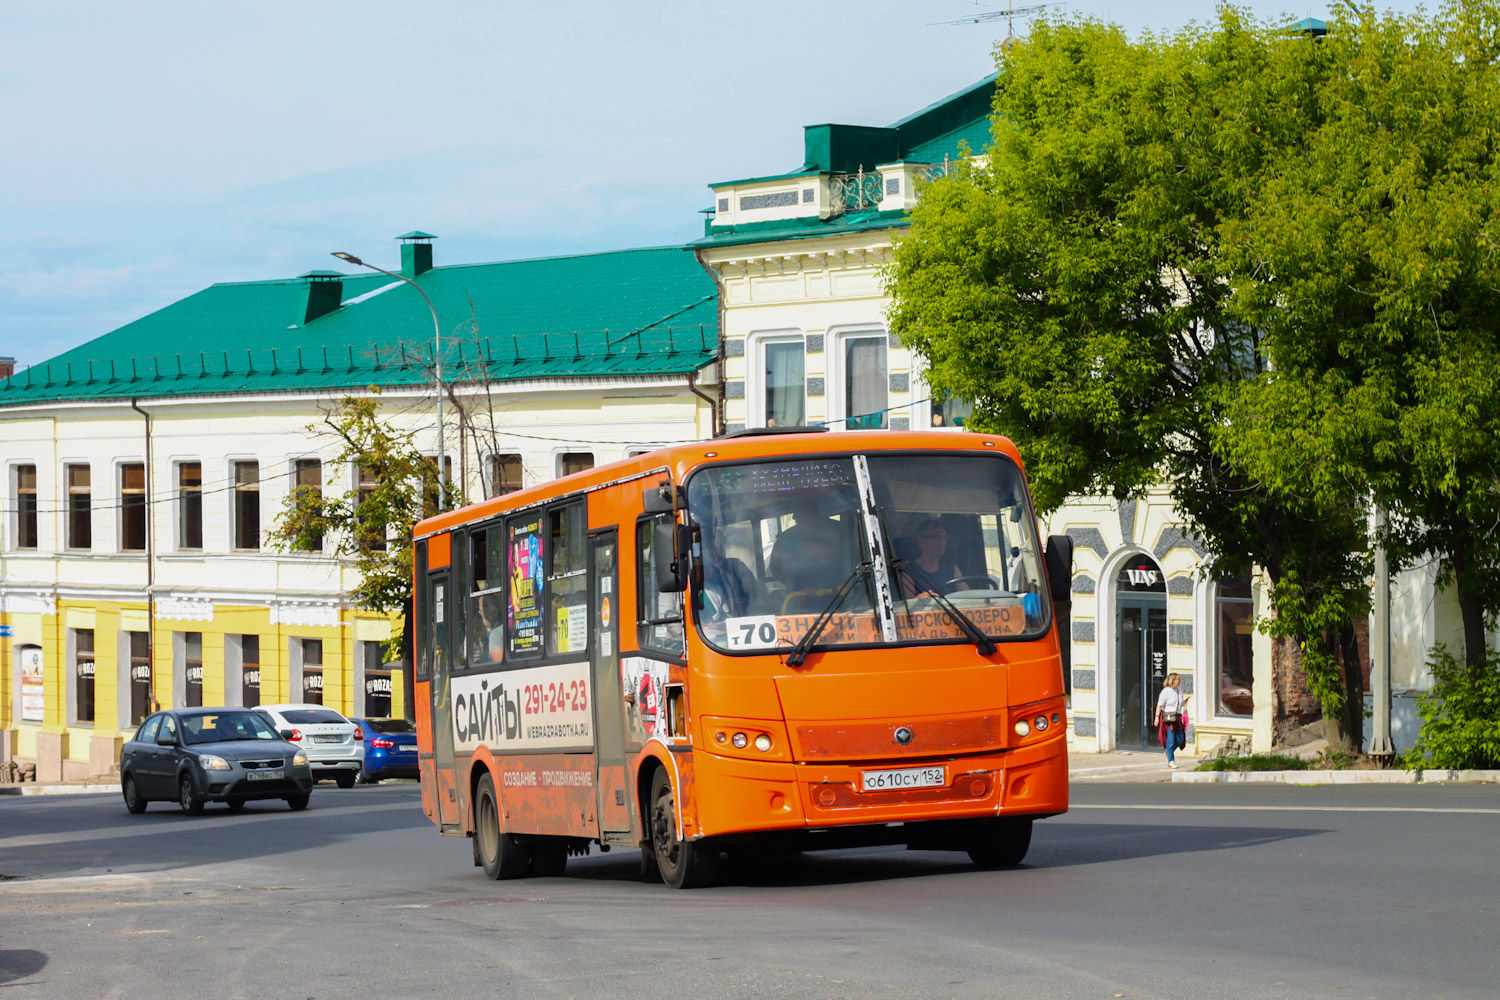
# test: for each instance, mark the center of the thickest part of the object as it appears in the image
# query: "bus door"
(615, 812)
(438, 629)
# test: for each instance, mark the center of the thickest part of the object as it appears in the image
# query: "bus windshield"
(783, 542)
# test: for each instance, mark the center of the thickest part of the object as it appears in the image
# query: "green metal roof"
(629, 312)
(801, 229)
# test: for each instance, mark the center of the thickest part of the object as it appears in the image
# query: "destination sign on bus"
(769, 631)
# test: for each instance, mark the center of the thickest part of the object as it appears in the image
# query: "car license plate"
(328, 739)
(906, 777)
(265, 775)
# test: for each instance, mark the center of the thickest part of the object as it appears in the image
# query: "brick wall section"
(1294, 705)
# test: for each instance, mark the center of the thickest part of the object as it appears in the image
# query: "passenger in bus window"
(807, 520)
(492, 627)
(814, 575)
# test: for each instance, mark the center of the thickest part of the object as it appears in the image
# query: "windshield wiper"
(804, 645)
(976, 635)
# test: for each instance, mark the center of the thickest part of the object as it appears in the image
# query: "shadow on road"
(20, 963)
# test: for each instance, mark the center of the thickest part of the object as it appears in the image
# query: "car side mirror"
(669, 551)
(1060, 568)
(285, 734)
(165, 739)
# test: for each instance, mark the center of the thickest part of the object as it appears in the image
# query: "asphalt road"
(1142, 890)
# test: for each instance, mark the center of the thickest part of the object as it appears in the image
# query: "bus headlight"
(739, 740)
(1023, 728)
(762, 742)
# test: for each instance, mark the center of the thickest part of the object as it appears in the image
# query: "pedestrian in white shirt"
(1171, 723)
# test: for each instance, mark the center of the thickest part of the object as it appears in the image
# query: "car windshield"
(223, 727)
(312, 716)
(391, 727)
(778, 539)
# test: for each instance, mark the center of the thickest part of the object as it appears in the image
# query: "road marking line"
(1368, 809)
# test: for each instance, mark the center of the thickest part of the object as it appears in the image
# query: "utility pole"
(1380, 648)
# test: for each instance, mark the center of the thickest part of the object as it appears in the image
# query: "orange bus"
(774, 641)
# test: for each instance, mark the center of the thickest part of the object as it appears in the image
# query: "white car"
(334, 746)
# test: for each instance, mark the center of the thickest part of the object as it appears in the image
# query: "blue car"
(390, 749)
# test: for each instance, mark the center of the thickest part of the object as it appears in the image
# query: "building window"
(866, 383)
(80, 508)
(1234, 613)
(505, 474)
(83, 666)
(312, 671)
(372, 539)
(140, 676)
(192, 669)
(190, 505)
(786, 382)
(307, 474)
(247, 505)
(950, 411)
(570, 462)
(377, 682)
(26, 533)
(250, 670)
(133, 507)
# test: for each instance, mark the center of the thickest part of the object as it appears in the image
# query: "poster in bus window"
(524, 613)
(646, 680)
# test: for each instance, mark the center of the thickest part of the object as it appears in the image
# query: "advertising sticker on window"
(525, 569)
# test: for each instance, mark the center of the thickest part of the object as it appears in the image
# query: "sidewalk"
(104, 784)
(1118, 765)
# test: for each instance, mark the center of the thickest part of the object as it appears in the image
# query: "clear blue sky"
(154, 148)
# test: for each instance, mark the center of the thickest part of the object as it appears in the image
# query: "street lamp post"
(437, 362)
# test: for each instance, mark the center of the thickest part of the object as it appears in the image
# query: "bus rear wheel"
(1000, 843)
(500, 855)
(684, 864)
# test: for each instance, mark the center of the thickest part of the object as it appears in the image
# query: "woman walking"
(1171, 725)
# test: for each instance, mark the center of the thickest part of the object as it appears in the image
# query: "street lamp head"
(349, 257)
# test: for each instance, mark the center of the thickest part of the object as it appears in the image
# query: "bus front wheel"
(1000, 843)
(684, 864)
(500, 855)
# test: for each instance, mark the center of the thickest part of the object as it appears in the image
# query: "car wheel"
(366, 778)
(133, 800)
(684, 864)
(500, 855)
(549, 857)
(235, 805)
(299, 802)
(187, 796)
(1001, 844)
(345, 779)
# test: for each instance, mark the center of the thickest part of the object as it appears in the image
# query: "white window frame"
(755, 371)
(118, 511)
(231, 525)
(65, 504)
(12, 503)
(176, 463)
(558, 453)
(833, 383)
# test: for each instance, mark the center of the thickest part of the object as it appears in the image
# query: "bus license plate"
(265, 775)
(907, 777)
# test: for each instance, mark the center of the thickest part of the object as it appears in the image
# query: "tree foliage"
(1074, 286)
(373, 526)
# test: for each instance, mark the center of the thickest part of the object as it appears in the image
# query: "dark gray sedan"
(195, 755)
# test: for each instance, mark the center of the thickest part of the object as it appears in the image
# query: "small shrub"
(1256, 762)
(1337, 759)
(1460, 715)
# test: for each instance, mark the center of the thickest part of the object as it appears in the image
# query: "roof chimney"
(416, 253)
(325, 293)
(7, 367)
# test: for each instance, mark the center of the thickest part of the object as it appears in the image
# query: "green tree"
(1073, 286)
(372, 523)
(1368, 259)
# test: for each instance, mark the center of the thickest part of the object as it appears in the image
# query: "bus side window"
(486, 595)
(423, 609)
(659, 615)
(567, 589)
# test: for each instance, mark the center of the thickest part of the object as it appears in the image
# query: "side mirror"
(661, 499)
(670, 544)
(165, 739)
(1060, 568)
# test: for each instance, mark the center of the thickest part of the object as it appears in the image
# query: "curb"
(32, 788)
(1427, 777)
(1087, 772)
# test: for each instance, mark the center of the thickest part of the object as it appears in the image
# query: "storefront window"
(83, 691)
(312, 671)
(192, 694)
(1235, 618)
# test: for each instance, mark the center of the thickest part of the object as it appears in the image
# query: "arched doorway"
(1140, 650)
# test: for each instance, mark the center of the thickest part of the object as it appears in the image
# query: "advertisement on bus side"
(534, 708)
